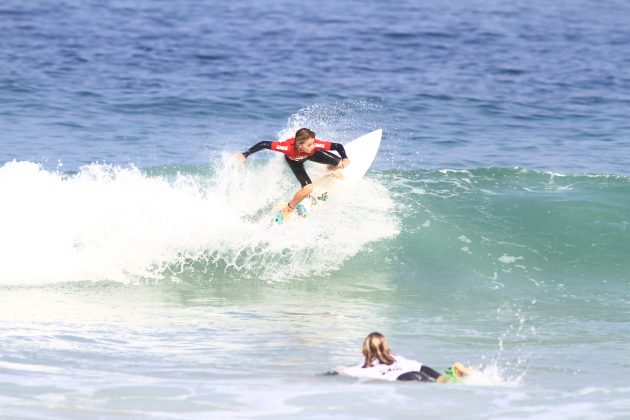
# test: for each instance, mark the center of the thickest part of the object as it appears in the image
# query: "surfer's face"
(307, 146)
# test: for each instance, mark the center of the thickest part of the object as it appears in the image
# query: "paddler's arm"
(338, 147)
(240, 157)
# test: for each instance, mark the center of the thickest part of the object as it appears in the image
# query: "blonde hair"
(303, 135)
(375, 346)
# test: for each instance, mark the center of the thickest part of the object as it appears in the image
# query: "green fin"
(301, 210)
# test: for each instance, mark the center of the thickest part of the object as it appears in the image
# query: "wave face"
(203, 223)
(536, 226)
(522, 273)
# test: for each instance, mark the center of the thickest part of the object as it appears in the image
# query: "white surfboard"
(361, 153)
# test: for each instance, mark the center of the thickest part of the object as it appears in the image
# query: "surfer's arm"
(338, 147)
(257, 147)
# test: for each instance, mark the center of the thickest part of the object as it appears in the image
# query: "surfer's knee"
(308, 188)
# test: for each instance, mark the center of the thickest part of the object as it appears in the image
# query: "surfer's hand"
(239, 158)
(344, 163)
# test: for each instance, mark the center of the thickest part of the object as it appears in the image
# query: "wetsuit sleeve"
(338, 147)
(257, 147)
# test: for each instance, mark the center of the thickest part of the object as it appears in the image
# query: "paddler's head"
(304, 140)
(375, 347)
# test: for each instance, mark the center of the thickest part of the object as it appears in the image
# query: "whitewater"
(515, 271)
(141, 275)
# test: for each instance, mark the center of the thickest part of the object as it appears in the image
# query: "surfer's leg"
(426, 374)
(297, 167)
(302, 193)
(429, 373)
(410, 376)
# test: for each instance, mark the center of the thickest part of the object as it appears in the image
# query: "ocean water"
(140, 276)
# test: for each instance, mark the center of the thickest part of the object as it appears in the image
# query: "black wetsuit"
(297, 165)
(426, 374)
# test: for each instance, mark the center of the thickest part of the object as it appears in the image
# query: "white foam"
(24, 367)
(113, 223)
(492, 375)
(507, 259)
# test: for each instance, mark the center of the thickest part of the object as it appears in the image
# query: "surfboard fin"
(301, 210)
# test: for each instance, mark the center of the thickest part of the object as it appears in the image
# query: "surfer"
(297, 150)
(380, 363)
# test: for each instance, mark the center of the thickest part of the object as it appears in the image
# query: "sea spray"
(119, 223)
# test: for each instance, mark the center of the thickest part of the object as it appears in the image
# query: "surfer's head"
(304, 139)
(375, 346)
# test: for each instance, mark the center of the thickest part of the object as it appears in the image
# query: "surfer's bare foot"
(462, 370)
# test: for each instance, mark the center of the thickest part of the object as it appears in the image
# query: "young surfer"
(380, 363)
(297, 150)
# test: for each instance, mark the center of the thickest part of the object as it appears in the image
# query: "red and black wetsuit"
(296, 158)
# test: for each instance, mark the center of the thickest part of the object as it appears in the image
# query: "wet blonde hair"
(375, 346)
(303, 135)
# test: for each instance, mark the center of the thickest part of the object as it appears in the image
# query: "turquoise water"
(142, 277)
(518, 273)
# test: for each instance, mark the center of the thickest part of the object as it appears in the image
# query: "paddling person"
(297, 150)
(380, 363)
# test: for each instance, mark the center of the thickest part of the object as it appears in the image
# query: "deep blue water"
(140, 277)
(456, 84)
